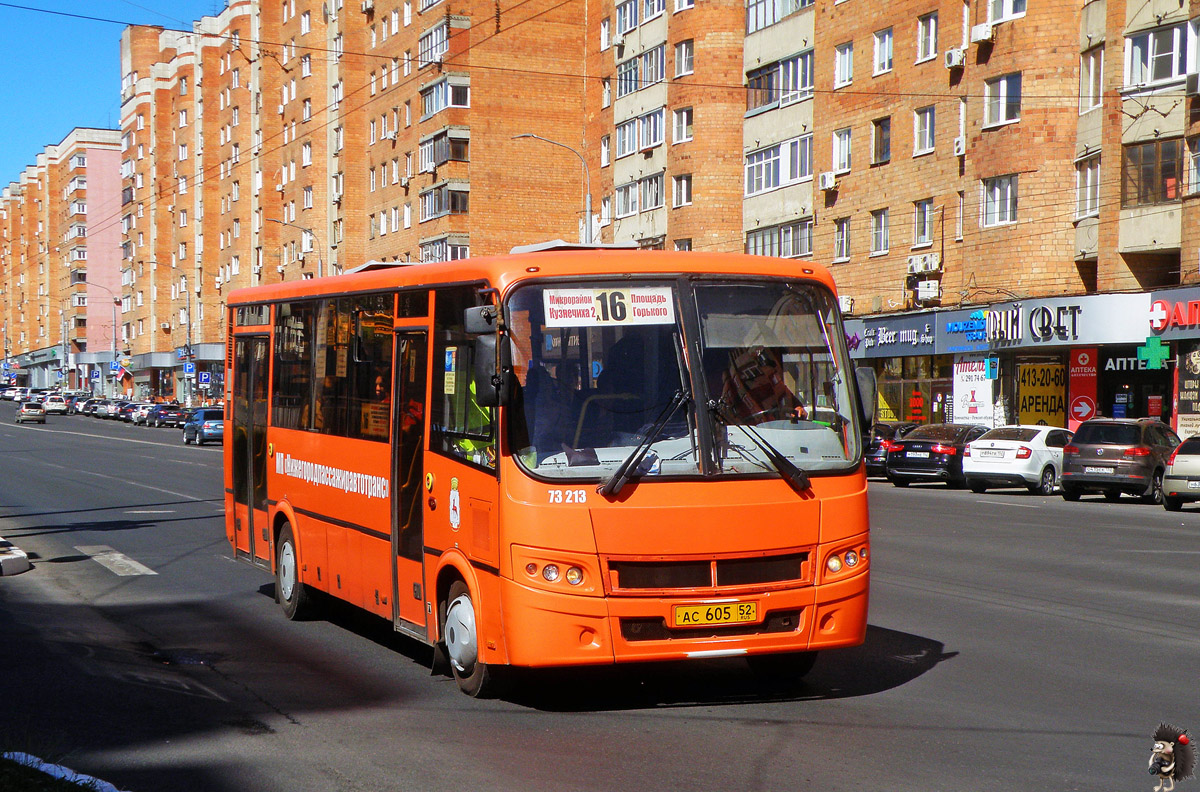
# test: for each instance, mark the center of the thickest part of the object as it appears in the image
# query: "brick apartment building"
(966, 169)
(56, 226)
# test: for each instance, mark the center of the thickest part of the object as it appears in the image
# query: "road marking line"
(1018, 505)
(151, 511)
(117, 563)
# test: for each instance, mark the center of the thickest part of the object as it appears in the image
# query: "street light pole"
(587, 176)
(310, 232)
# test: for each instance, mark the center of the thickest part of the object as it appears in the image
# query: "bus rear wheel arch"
(460, 637)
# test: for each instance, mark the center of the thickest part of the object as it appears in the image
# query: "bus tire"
(461, 637)
(784, 670)
(293, 596)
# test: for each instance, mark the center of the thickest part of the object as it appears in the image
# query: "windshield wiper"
(626, 469)
(795, 477)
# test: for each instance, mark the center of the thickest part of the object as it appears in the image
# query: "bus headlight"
(550, 572)
(851, 559)
(574, 575)
(834, 564)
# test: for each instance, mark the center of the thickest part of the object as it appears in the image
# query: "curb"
(13, 560)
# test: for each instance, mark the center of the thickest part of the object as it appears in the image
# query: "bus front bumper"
(551, 629)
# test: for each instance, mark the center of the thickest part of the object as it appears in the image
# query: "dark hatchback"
(1118, 455)
(882, 435)
(167, 415)
(932, 452)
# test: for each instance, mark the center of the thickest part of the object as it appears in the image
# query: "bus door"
(408, 473)
(249, 455)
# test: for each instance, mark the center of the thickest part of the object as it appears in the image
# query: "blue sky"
(60, 72)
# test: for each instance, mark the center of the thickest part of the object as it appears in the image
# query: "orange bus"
(558, 458)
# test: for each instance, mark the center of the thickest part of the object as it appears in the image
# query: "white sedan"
(1016, 456)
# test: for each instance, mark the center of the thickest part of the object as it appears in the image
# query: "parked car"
(168, 415)
(1016, 456)
(203, 425)
(55, 404)
(31, 411)
(933, 452)
(91, 406)
(127, 410)
(882, 434)
(9, 394)
(1118, 455)
(111, 410)
(141, 415)
(1181, 479)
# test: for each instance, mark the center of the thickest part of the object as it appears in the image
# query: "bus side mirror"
(492, 386)
(481, 319)
(868, 393)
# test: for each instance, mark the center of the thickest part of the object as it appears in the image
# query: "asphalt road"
(1016, 642)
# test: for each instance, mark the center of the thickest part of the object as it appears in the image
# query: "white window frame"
(1004, 10)
(685, 57)
(843, 64)
(627, 200)
(924, 130)
(1091, 79)
(999, 203)
(681, 190)
(1145, 54)
(997, 101)
(927, 29)
(1087, 187)
(841, 239)
(879, 232)
(923, 223)
(682, 125)
(652, 192)
(884, 45)
(843, 140)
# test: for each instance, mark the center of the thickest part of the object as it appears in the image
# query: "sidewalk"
(13, 560)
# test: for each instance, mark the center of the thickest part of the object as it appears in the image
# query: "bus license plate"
(722, 613)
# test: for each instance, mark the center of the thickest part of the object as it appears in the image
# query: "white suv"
(55, 404)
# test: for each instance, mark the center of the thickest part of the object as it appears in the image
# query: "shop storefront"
(1019, 362)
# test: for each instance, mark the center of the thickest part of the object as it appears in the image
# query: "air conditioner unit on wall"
(915, 267)
(846, 303)
(404, 182)
(960, 146)
(982, 33)
(933, 262)
(929, 290)
(827, 181)
(955, 58)
(618, 40)
(165, 325)
(368, 6)
(389, 135)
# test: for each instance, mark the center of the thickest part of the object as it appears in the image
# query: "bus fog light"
(531, 568)
(851, 559)
(574, 575)
(550, 572)
(834, 564)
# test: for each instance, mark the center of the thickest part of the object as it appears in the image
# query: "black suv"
(1116, 455)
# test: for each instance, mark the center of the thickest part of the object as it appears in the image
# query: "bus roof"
(505, 270)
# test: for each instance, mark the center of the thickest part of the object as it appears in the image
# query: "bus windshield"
(605, 367)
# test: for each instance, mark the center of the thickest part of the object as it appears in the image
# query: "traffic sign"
(189, 368)
(205, 377)
(95, 373)
(1082, 408)
(113, 365)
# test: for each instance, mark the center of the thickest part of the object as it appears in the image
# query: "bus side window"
(459, 427)
(293, 365)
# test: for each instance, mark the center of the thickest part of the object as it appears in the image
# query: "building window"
(783, 82)
(1087, 187)
(1002, 99)
(841, 239)
(764, 13)
(779, 165)
(1091, 79)
(684, 56)
(787, 240)
(841, 150)
(682, 5)
(605, 34)
(923, 130)
(627, 16)
(653, 8)
(433, 45)
(1152, 173)
(681, 190)
(999, 200)
(881, 141)
(923, 222)
(883, 51)
(1194, 166)
(1000, 10)
(652, 192)
(605, 147)
(682, 125)
(683, 245)
(650, 129)
(1156, 55)
(879, 232)
(628, 76)
(626, 138)
(627, 199)
(843, 64)
(927, 37)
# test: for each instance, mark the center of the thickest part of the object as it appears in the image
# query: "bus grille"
(634, 630)
(715, 574)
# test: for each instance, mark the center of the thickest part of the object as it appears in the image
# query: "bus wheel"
(292, 595)
(462, 643)
(781, 670)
